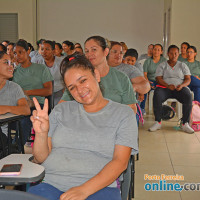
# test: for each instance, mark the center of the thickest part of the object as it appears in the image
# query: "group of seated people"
(86, 141)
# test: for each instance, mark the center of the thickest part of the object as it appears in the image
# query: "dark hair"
(51, 43)
(70, 44)
(11, 43)
(2, 53)
(172, 47)
(59, 45)
(40, 42)
(102, 42)
(75, 60)
(31, 46)
(113, 43)
(192, 47)
(7, 41)
(150, 45)
(22, 43)
(158, 45)
(3, 47)
(132, 53)
(78, 44)
(186, 43)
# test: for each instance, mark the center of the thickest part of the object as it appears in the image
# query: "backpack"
(167, 112)
(195, 116)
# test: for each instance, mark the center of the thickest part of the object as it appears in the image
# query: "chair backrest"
(51, 98)
(18, 195)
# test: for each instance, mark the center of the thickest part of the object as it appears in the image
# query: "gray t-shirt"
(173, 75)
(130, 70)
(9, 95)
(55, 72)
(83, 143)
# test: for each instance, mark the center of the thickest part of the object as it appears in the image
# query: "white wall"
(185, 23)
(136, 22)
(26, 16)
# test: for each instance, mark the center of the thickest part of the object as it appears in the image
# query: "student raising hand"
(40, 118)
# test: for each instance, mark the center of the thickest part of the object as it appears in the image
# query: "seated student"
(173, 77)
(130, 58)
(79, 50)
(117, 86)
(58, 50)
(31, 48)
(183, 56)
(91, 139)
(12, 98)
(35, 55)
(137, 79)
(34, 79)
(53, 64)
(147, 55)
(150, 66)
(10, 51)
(194, 67)
(68, 48)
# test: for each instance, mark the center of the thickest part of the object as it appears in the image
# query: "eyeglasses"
(116, 52)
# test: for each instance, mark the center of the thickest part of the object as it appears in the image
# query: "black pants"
(183, 96)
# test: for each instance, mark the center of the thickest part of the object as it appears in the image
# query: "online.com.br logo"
(163, 185)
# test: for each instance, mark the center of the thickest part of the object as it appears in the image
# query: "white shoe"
(186, 128)
(155, 127)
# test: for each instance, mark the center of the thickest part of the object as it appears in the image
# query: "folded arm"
(22, 108)
(43, 92)
(140, 84)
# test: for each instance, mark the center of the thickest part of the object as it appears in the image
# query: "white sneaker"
(155, 127)
(186, 128)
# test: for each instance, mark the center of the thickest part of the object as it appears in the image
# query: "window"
(9, 27)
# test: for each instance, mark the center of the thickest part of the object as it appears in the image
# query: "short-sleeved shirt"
(194, 67)
(9, 95)
(55, 72)
(143, 56)
(32, 77)
(83, 143)
(150, 67)
(181, 59)
(130, 70)
(116, 86)
(173, 75)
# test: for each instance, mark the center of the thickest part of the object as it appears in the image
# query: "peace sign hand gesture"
(40, 118)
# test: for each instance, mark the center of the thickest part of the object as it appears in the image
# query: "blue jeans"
(142, 105)
(195, 87)
(51, 193)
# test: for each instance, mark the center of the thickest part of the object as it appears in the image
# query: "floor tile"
(184, 159)
(184, 147)
(190, 173)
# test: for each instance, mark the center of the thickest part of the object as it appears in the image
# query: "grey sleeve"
(186, 70)
(135, 72)
(139, 66)
(160, 69)
(52, 123)
(127, 133)
(18, 92)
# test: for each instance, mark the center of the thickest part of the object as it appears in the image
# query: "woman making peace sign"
(85, 144)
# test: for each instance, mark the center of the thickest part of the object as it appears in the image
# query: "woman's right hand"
(40, 118)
